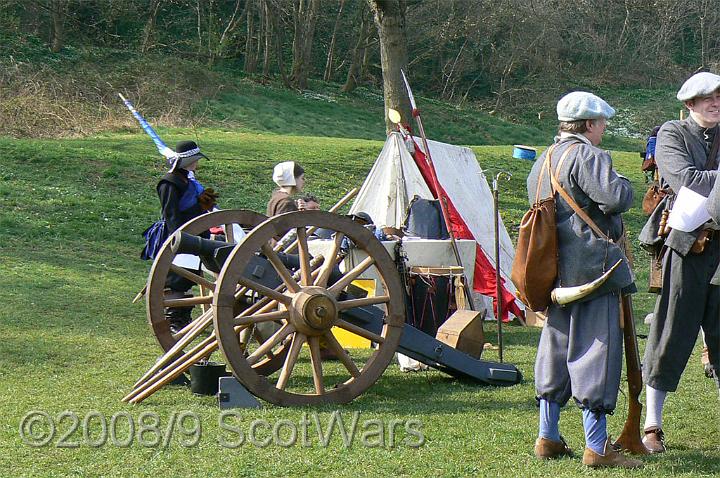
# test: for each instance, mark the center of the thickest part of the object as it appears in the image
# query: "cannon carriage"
(271, 309)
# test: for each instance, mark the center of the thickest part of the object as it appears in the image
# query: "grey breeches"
(580, 354)
(687, 302)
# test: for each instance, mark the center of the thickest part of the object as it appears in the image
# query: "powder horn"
(565, 295)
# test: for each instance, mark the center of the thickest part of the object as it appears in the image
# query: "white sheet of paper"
(188, 261)
(689, 211)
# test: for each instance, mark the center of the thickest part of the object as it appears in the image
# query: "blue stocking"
(549, 420)
(595, 425)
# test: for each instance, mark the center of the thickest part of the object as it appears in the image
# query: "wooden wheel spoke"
(290, 360)
(366, 334)
(266, 291)
(267, 346)
(189, 301)
(229, 234)
(259, 338)
(244, 320)
(202, 321)
(192, 276)
(351, 303)
(315, 359)
(244, 337)
(304, 255)
(351, 275)
(185, 336)
(330, 260)
(282, 271)
(341, 354)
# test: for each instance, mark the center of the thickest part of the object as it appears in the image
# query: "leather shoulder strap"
(545, 166)
(578, 210)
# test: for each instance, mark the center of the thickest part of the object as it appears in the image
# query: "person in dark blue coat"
(182, 198)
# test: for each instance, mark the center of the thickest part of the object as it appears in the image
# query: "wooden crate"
(464, 331)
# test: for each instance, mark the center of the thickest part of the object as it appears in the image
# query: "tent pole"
(498, 283)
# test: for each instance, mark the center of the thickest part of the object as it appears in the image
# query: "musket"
(630, 439)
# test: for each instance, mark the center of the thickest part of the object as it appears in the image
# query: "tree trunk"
(275, 39)
(250, 48)
(267, 38)
(327, 76)
(358, 52)
(149, 30)
(260, 43)
(229, 31)
(305, 13)
(390, 21)
(58, 9)
(198, 26)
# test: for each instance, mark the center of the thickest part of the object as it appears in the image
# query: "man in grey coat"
(688, 301)
(580, 349)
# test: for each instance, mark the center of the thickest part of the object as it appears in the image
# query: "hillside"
(74, 93)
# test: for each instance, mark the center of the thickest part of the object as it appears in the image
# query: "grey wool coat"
(713, 207)
(681, 153)
(580, 349)
(687, 301)
(588, 176)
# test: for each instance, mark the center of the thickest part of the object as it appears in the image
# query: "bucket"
(204, 377)
(524, 152)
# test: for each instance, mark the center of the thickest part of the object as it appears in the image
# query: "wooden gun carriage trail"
(260, 304)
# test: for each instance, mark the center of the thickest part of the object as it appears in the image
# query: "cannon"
(272, 335)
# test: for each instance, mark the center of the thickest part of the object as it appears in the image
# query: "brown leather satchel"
(534, 268)
(653, 196)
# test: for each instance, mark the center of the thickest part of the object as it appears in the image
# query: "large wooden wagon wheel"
(155, 298)
(307, 309)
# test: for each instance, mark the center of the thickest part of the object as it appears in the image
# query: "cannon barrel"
(212, 253)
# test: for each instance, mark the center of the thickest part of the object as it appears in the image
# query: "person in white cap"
(580, 351)
(290, 178)
(685, 156)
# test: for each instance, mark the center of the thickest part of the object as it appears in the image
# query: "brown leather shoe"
(654, 440)
(546, 449)
(611, 458)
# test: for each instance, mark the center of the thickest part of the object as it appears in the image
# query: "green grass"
(73, 211)
(326, 111)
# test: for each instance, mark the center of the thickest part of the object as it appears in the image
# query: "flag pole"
(163, 149)
(441, 198)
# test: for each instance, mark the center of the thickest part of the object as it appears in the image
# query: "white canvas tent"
(395, 178)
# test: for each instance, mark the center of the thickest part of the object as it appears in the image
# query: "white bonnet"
(283, 174)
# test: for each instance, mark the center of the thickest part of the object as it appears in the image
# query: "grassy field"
(73, 211)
